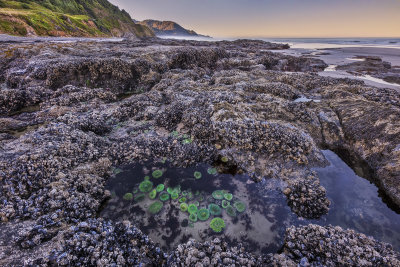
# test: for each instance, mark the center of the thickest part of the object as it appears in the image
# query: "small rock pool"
(172, 205)
(357, 203)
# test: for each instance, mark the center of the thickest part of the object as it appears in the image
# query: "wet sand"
(341, 55)
(346, 55)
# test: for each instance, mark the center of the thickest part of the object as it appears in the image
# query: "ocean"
(321, 43)
(311, 43)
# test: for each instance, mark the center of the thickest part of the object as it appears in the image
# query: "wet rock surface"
(307, 198)
(375, 66)
(332, 246)
(71, 112)
(95, 242)
(213, 253)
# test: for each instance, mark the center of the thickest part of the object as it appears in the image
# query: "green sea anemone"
(174, 190)
(214, 209)
(192, 208)
(196, 203)
(218, 194)
(224, 159)
(160, 187)
(212, 171)
(178, 189)
(201, 198)
(182, 200)
(128, 196)
(117, 171)
(197, 175)
(240, 206)
(164, 196)
(155, 207)
(147, 178)
(175, 133)
(197, 193)
(217, 224)
(231, 211)
(184, 193)
(193, 217)
(187, 141)
(228, 196)
(135, 190)
(184, 207)
(174, 195)
(203, 214)
(153, 194)
(189, 195)
(139, 197)
(157, 174)
(225, 204)
(145, 186)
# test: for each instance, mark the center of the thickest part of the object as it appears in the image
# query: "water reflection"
(355, 204)
(260, 227)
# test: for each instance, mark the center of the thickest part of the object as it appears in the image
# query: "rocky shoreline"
(375, 66)
(71, 112)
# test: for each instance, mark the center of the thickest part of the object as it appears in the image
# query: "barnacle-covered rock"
(333, 246)
(71, 111)
(307, 198)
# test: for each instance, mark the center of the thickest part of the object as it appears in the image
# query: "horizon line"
(311, 37)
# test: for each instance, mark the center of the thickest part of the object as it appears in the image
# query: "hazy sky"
(275, 18)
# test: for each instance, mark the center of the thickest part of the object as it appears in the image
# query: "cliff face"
(88, 18)
(168, 28)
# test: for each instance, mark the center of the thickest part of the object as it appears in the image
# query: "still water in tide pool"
(260, 227)
(356, 203)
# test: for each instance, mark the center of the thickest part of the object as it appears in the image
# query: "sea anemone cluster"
(220, 202)
(146, 188)
(199, 206)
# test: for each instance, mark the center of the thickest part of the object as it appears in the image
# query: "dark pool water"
(261, 226)
(356, 203)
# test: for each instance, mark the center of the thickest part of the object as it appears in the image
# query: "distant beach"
(325, 43)
(340, 51)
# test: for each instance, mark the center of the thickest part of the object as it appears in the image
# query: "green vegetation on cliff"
(168, 28)
(67, 18)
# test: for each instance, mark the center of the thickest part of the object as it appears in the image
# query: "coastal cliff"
(168, 28)
(78, 18)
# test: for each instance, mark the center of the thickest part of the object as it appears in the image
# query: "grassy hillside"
(67, 18)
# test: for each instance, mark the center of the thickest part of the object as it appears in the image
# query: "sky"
(274, 18)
